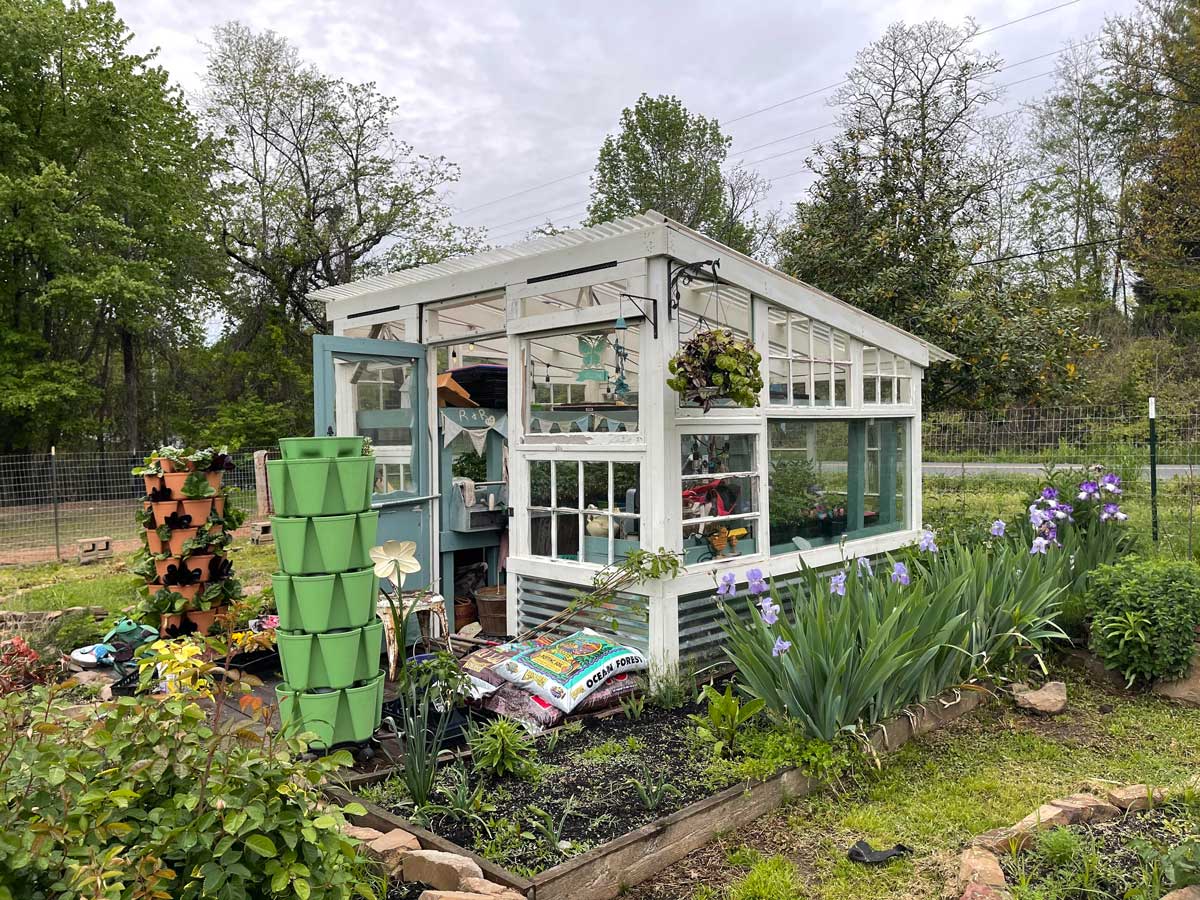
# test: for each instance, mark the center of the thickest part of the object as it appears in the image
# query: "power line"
(984, 262)
(764, 109)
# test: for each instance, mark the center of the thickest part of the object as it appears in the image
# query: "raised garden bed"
(619, 843)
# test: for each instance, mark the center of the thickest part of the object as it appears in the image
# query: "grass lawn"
(986, 770)
(109, 584)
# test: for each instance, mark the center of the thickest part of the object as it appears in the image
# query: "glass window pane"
(801, 382)
(821, 395)
(719, 496)
(841, 377)
(905, 385)
(566, 484)
(801, 328)
(886, 393)
(870, 389)
(595, 485)
(777, 331)
(539, 483)
(593, 383)
(779, 381)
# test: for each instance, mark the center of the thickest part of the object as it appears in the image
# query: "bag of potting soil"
(609, 695)
(533, 712)
(482, 662)
(569, 670)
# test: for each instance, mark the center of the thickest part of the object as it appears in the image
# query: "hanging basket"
(715, 365)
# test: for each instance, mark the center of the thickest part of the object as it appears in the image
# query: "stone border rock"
(980, 875)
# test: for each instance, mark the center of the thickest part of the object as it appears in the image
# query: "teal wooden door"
(379, 389)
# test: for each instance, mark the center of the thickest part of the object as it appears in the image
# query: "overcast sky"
(522, 93)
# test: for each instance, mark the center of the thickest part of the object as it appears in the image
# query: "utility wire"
(984, 262)
(764, 109)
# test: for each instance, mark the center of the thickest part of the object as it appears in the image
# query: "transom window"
(719, 496)
(887, 378)
(583, 510)
(809, 362)
(584, 380)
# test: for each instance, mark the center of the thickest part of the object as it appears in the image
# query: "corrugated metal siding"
(539, 599)
(700, 619)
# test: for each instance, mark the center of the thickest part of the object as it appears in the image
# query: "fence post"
(262, 493)
(1153, 475)
(54, 500)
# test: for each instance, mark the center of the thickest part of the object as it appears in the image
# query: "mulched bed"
(586, 774)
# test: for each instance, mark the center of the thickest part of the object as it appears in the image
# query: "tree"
(899, 207)
(105, 260)
(668, 159)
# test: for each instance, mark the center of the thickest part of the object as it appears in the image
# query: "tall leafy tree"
(315, 191)
(669, 159)
(889, 221)
(106, 265)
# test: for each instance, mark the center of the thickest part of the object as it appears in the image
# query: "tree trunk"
(129, 365)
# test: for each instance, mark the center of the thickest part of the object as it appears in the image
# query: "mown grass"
(984, 771)
(110, 584)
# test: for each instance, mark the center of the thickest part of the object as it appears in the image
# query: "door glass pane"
(380, 403)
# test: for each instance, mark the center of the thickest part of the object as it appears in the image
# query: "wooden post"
(261, 487)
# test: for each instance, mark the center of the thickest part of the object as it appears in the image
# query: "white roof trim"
(647, 221)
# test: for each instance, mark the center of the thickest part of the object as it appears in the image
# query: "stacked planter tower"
(187, 523)
(326, 590)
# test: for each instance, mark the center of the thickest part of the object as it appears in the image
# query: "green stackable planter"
(319, 545)
(321, 487)
(336, 717)
(326, 590)
(316, 603)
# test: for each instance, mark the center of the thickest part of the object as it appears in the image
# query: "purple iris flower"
(900, 574)
(1049, 493)
(1089, 490)
(864, 565)
(998, 528)
(926, 544)
(728, 585)
(1037, 518)
(837, 583)
(781, 647)
(768, 611)
(1039, 545)
(1111, 482)
(1112, 512)
(757, 585)
(1063, 511)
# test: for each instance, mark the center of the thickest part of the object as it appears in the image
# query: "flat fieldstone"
(361, 833)
(1045, 817)
(1187, 893)
(1048, 700)
(454, 895)
(1088, 808)
(1136, 796)
(390, 848)
(984, 892)
(1185, 690)
(979, 866)
(440, 870)
(1003, 840)
(490, 889)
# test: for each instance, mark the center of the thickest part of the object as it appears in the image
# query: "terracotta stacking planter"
(204, 619)
(320, 447)
(333, 659)
(349, 715)
(197, 509)
(179, 537)
(163, 509)
(324, 544)
(152, 482)
(321, 487)
(175, 481)
(153, 542)
(313, 603)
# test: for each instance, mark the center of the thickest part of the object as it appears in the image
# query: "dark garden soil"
(585, 784)
(405, 890)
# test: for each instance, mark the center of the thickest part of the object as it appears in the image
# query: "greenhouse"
(526, 434)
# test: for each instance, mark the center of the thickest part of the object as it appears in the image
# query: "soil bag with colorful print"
(568, 671)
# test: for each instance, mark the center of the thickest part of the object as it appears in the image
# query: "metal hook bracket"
(684, 274)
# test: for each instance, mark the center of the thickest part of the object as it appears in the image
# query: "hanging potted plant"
(715, 365)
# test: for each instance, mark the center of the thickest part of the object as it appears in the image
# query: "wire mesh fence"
(50, 501)
(987, 464)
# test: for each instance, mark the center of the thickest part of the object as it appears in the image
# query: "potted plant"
(198, 497)
(715, 365)
(163, 606)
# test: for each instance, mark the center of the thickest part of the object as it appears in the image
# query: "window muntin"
(584, 380)
(584, 505)
(382, 402)
(718, 496)
(809, 362)
(887, 378)
(835, 478)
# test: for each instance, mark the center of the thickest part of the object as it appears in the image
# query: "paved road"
(979, 468)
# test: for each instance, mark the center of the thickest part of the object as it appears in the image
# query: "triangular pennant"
(451, 430)
(478, 438)
(584, 423)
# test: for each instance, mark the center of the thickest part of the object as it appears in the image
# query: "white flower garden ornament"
(394, 560)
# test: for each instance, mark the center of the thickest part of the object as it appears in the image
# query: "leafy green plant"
(149, 798)
(612, 749)
(653, 790)
(1145, 613)
(550, 829)
(773, 878)
(502, 747)
(670, 688)
(1059, 846)
(725, 717)
(633, 707)
(196, 487)
(420, 741)
(765, 751)
(715, 365)
(860, 646)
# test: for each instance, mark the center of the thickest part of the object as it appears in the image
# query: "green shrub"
(1144, 616)
(148, 799)
(502, 747)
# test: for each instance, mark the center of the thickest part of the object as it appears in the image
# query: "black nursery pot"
(455, 734)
